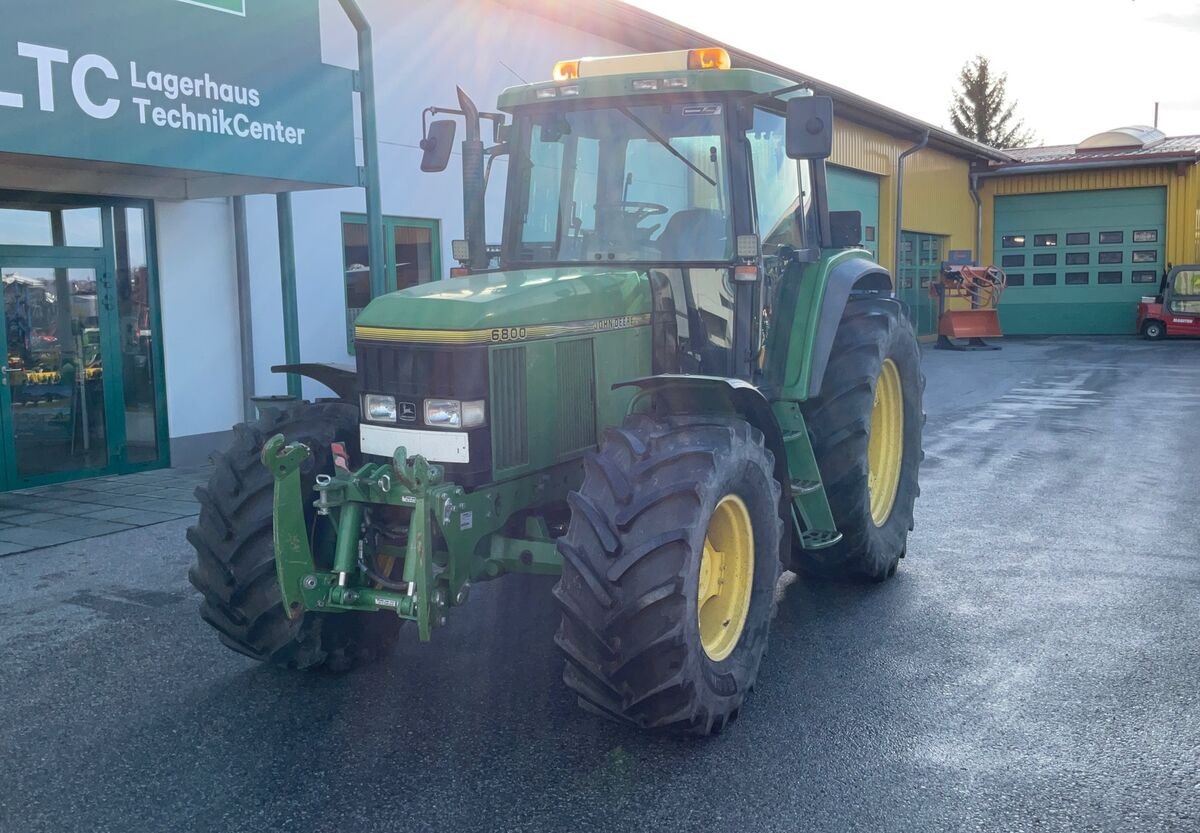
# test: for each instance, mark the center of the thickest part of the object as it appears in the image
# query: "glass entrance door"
(57, 388)
(920, 263)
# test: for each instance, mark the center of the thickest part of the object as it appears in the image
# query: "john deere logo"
(237, 7)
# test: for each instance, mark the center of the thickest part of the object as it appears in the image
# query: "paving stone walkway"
(47, 515)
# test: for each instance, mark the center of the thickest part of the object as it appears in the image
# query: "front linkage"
(433, 579)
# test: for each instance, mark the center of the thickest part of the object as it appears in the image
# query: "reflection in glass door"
(53, 387)
(85, 391)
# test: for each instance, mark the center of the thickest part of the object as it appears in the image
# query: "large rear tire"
(669, 571)
(866, 431)
(235, 556)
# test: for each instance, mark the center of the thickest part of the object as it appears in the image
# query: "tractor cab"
(1176, 310)
(671, 164)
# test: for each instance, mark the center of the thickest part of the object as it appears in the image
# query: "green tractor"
(683, 377)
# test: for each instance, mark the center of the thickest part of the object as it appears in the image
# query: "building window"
(1146, 276)
(1109, 237)
(1045, 279)
(1108, 277)
(1147, 236)
(1012, 260)
(1012, 241)
(1045, 260)
(1077, 258)
(1076, 278)
(869, 234)
(1079, 238)
(1146, 256)
(1015, 280)
(412, 256)
(1111, 257)
(1045, 240)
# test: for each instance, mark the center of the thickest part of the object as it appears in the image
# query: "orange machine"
(967, 297)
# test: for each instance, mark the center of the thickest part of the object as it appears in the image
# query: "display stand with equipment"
(967, 297)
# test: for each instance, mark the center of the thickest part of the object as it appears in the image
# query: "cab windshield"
(622, 183)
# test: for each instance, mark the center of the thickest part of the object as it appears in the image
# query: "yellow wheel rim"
(726, 577)
(885, 449)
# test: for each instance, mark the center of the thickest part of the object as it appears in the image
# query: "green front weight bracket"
(293, 556)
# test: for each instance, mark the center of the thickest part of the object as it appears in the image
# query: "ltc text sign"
(170, 84)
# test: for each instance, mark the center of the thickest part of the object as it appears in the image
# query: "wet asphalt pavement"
(1034, 665)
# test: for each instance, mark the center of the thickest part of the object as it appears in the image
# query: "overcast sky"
(1075, 67)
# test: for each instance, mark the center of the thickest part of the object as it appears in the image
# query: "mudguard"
(677, 393)
(784, 433)
(342, 379)
(805, 317)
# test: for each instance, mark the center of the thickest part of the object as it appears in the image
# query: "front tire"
(669, 570)
(1154, 330)
(866, 431)
(235, 553)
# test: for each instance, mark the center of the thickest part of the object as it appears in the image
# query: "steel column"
(366, 72)
(245, 317)
(287, 277)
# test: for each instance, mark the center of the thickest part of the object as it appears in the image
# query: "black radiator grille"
(576, 396)
(419, 370)
(510, 422)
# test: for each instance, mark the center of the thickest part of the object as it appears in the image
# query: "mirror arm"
(755, 98)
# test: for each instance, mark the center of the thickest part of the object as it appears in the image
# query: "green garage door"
(1078, 262)
(853, 191)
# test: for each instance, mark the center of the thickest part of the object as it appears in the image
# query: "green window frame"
(391, 225)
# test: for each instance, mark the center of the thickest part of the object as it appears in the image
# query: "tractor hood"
(524, 297)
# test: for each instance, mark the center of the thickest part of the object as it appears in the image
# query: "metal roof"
(1186, 147)
(641, 30)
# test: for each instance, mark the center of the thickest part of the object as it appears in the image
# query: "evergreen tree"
(980, 109)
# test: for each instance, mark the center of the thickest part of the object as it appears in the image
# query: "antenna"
(1156, 115)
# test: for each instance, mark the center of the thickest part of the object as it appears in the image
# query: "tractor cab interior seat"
(695, 234)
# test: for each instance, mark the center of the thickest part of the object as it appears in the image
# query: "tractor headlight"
(451, 413)
(379, 408)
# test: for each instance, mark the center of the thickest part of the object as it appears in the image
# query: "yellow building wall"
(937, 197)
(1183, 199)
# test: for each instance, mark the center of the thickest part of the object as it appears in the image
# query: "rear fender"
(810, 306)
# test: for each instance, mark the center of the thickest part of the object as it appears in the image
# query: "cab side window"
(777, 183)
(1185, 293)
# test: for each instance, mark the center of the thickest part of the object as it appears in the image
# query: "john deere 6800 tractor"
(681, 376)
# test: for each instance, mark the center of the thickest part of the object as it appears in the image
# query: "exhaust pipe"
(474, 218)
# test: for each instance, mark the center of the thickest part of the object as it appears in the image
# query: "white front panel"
(434, 446)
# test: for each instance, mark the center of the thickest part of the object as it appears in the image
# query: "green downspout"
(366, 89)
(287, 276)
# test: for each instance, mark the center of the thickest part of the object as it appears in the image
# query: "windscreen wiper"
(656, 137)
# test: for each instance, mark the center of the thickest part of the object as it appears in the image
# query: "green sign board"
(205, 86)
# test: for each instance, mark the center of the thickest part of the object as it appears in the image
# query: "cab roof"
(622, 85)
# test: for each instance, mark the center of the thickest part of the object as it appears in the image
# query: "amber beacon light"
(710, 57)
(713, 57)
(566, 70)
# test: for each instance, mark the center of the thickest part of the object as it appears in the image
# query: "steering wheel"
(642, 210)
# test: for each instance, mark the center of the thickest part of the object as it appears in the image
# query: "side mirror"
(810, 127)
(437, 144)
